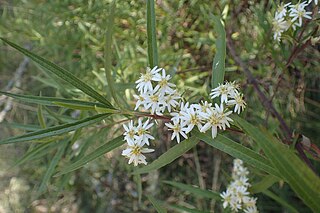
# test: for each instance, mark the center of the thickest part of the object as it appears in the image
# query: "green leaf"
(158, 205)
(26, 127)
(111, 145)
(218, 65)
(52, 101)
(169, 156)
(151, 33)
(108, 53)
(56, 130)
(281, 201)
(138, 181)
(41, 118)
(37, 152)
(195, 190)
(62, 73)
(264, 184)
(237, 150)
(53, 163)
(299, 176)
(185, 209)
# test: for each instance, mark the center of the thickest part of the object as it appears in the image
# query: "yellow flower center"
(136, 150)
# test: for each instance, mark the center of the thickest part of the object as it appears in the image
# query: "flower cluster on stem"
(158, 96)
(237, 196)
(290, 15)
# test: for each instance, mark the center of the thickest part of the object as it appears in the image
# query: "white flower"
(140, 100)
(163, 83)
(178, 129)
(252, 209)
(279, 26)
(224, 90)
(130, 132)
(235, 206)
(282, 10)
(176, 116)
(215, 118)
(135, 154)
(155, 101)
(203, 106)
(221, 90)
(238, 101)
(171, 100)
(227, 198)
(297, 12)
(144, 83)
(191, 118)
(142, 132)
(237, 196)
(249, 201)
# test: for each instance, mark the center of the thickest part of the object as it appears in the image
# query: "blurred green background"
(70, 33)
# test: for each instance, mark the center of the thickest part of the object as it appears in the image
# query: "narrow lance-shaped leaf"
(41, 118)
(111, 145)
(237, 150)
(52, 101)
(151, 33)
(195, 190)
(218, 65)
(264, 184)
(56, 130)
(281, 201)
(61, 73)
(53, 163)
(158, 205)
(299, 176)
(37, 152)
(169, 156)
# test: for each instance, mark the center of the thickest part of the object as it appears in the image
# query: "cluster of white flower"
(237, 196)
(137, 137)
(158, 96)
(290, 15)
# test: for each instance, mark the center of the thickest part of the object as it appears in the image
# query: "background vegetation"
(71, 34)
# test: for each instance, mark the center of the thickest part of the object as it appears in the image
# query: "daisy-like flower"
(178, 129)
(215, 118)
(176, 116)
(164, 85)
(130, 132)
(154, 101)
(227, 198)
(249, 202)
(142, 133)
(171, 100)
(238, 102)
(144, 83)
(203, 106)
(252, 209)
(191, 118)
(135, 153)
(279, 26)
(282, 10)
(237, 196)
(221, 90)
(224, 90)
(141, 100)
(297, 12)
